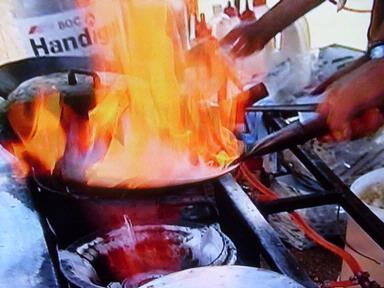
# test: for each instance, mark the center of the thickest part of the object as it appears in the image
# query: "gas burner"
(133, 255)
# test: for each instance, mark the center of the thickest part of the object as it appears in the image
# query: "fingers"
(342, 134)
(238, 45)
(344, 128)
(241, 45)
(244, 40)
(338, 117)
(242, 48)
(231, 37)
(341, 106)
(368, 123)
(237, 41)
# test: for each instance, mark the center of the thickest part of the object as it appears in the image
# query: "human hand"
(368, 123)
(246, 38)
(353, 102)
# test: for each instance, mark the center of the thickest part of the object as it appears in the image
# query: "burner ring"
(89, 262)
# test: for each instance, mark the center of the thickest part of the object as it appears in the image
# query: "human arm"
(376, 28)
(252, 36)
(355, 95)
(339, 74)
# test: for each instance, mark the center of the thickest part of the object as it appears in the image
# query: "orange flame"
(169, 118)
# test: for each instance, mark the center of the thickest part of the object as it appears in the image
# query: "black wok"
(13, 74)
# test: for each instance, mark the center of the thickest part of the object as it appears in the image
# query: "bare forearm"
(376, 29)
(285, 13)
(253, 36)
(349, 68)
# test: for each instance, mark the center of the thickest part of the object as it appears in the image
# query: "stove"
(39, 221)
(59, 221)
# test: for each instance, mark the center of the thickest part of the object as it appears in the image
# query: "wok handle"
(283, 108)
(294, 134)
(72, 76)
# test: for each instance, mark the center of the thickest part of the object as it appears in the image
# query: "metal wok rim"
(78, 190)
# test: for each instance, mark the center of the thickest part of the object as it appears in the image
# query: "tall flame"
(168, 119)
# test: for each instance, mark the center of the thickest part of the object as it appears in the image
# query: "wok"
(13, 74)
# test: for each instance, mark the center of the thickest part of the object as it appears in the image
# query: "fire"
(33, 122)
(169, 117)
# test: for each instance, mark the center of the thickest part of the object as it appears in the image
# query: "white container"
(359, 240)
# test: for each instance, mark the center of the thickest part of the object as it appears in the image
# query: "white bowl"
(364, 182)
(358, 239)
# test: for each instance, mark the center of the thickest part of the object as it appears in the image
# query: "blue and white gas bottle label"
(75, 32)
